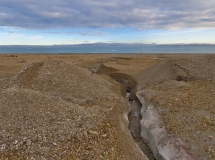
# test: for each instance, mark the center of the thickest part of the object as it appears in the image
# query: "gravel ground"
(34, 125)
(183, 92)
(56, 110)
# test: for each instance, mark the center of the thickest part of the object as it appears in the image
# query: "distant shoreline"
(110, 49)
(106, 53)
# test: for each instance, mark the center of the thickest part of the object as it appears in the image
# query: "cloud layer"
(158, 14)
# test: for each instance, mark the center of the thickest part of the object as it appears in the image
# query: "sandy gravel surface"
(56, 107)
(56, 110)
(40, 126)
(67, 81)
(183, 92)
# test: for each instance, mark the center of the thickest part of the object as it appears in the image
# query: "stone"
(15, 142)
(104, 135)
(2, 147)
(93, 132)
(28, 142)
(85, 134)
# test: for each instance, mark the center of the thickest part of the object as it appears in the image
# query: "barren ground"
(57, 107)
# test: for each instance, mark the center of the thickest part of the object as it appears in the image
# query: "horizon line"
(108, 44)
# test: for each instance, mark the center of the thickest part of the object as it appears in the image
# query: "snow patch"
(153, 131)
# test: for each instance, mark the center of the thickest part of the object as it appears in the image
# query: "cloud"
(89, 33)
(14, 35)
(86, 33)
(35, 37)
(10, 33)
(156, 14)
(52, 32)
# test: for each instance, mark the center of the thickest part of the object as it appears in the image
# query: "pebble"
(3, 147)
(85, 134)
(93, 132)
(104, 135)
(15, 142)
(54, 143)
(28, 142)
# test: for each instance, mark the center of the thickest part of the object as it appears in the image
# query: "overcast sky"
(122, 21)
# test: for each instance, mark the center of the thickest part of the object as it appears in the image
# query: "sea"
(108, 48)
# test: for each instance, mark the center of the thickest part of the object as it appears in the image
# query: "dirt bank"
(187, 68)
(182, 91)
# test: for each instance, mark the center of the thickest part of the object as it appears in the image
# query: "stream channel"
(128, 90)
(145, 123)
(134, 118)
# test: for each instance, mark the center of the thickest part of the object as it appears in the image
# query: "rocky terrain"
(182, 91)
(56, 110)
(75, 107)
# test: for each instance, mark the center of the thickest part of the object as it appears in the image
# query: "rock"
(104, 135)
(15, 142)
(85, 134)
(93, 132)
(3, 146)
(28, 142)
(54, 143)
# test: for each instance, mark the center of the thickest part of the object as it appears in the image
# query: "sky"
(34, 22)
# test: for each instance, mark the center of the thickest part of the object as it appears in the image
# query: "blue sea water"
(109, 48)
